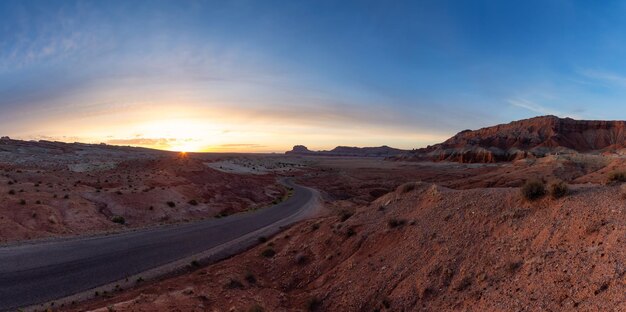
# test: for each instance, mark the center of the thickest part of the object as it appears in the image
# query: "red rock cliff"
(525, 138)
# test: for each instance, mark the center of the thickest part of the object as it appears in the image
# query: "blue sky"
(265, 75)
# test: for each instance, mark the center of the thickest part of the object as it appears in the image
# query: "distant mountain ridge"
(534, 137)
(380, 151)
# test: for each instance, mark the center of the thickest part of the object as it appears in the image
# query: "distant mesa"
(300, 149)
(381, 151)
(528, 138)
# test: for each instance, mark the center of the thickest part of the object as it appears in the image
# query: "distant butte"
(381, 151)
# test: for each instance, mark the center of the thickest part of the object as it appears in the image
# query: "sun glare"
(187, 146)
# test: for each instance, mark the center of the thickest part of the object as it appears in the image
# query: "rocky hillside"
(50, 189)
(380, 151)
(534, 137)
(420, 248)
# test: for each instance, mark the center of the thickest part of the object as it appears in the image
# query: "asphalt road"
(35, 273)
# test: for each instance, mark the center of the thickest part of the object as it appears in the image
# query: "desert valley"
(447, 227)
(312, 156)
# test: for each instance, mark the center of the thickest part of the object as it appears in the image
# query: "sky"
(262, 76)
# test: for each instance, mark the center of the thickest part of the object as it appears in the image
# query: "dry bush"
(407, 187)
(533, 189)
(617, 176)
(268, 252)
(559, 189)
(345, 215)
(394, 223)
(118, 219)
(313, 304)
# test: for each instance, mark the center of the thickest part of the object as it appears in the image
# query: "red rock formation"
(534, 137)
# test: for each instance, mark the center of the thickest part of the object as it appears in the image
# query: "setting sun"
(264, 155)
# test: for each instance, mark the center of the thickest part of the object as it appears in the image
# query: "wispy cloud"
(534, 107)
(604, 76)
(249, 145)
(160, 143)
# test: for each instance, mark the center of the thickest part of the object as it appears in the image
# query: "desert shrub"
(250, 277)
(118, 219)
(301, 258)
(234, 284)
(394, 223)
(386, 303)
(223, 213)
(256, 308)
(313, 304)
(558, 189)
(11, 192)
(463, 284)
(315, 226)
(407, 187)
(345, 215)
(193, 202)
(22, 202)
(268, 252)
(171, 204)
(262, 239)
(617, 176)
(533, 189)
(350, 232)
(514, 266)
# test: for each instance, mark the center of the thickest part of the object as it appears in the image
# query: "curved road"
(36, 273)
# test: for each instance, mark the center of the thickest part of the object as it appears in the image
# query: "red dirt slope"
(422, 248)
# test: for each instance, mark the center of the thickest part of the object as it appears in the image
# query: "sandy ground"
(53, 190)
(421, 247)
(259, 165)
(462, 239)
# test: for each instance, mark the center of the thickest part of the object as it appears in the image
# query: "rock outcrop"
(534, 137)
(380, 151)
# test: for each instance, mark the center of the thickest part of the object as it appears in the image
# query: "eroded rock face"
(534, 137)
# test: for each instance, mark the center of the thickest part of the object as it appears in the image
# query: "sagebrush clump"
(268, 252)
(617, 176)
(558, 189)
(394, 223)
(533, 190)
(407, 187)
(345, 215)
(118, 219)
